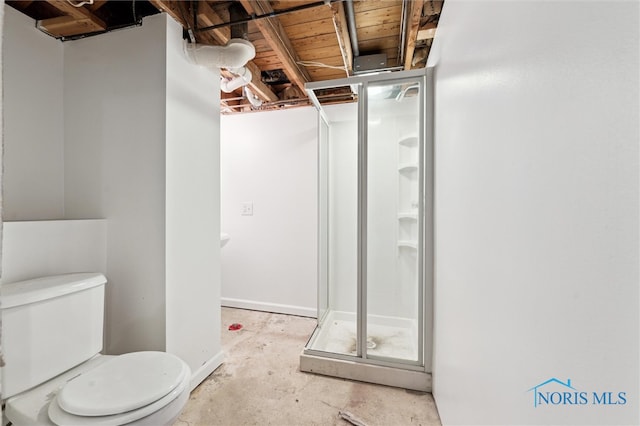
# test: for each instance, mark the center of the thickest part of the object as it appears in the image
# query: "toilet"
(54, 374)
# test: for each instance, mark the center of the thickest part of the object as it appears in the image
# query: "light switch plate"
(247, 209)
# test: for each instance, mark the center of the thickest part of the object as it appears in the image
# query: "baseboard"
(269, 307)
(207, 368)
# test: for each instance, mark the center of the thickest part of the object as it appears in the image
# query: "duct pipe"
(234, 55)
(253, 99)
(242, 78)
(351, 19)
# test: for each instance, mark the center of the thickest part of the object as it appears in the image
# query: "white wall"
(270, 159)
(142, 150)
(35, 249)
(537, 254)
(192, 210)
(33, 181)
(133, 137)
(114, 102)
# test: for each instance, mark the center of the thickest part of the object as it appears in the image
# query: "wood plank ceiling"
(296, 41)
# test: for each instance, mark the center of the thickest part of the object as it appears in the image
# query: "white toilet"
(54, 374)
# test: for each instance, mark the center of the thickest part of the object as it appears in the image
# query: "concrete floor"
(260, 383)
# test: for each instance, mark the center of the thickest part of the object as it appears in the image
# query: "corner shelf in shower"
(407, 167)
(407, 216)
(409, 141)
(408, 244)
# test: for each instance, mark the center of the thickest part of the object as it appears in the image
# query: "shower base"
(331, 351)
(387, 337)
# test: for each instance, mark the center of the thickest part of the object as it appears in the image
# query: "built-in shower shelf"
(408, 244)
(407, 167)
(409, 141)
(407, 216)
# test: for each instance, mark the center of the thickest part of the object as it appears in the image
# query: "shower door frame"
(425, 224)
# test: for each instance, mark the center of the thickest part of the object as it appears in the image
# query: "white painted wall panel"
(536, 208)
(270, 159)
(33, 180)
(35, 249)
(114, 103)
(192, 209)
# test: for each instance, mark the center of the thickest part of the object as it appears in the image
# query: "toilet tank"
(49, 325)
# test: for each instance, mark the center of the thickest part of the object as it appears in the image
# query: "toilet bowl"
(68, 382)
(138, 388)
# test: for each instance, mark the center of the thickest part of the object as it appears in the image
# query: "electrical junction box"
(369, 62)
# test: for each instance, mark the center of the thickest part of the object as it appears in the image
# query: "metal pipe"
(351, 23)
(273, 14)
(403, 30)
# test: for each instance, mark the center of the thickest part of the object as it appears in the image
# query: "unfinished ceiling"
(296, 41)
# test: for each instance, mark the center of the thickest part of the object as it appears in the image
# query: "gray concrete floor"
(260, 383)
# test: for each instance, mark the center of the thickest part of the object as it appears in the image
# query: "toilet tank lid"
(30, 291)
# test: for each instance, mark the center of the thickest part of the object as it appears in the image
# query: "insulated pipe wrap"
(235, 54)
(243, 77)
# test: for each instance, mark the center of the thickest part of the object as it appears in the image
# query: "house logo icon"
(556, 392)
(563, 396)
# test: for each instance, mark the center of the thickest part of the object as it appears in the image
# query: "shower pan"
(375, 230)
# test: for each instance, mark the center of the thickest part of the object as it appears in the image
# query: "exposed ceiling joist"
(413, 25)
(342, 32)
(66, 26)
(427, 31)
(209, 18)
(277, 38)
(296, 41)
(90, 21)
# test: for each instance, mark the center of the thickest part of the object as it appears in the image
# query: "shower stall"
(375, 230)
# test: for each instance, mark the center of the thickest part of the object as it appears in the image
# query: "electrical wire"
(79, 3)
(319, 65)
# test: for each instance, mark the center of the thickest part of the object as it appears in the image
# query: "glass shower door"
(337, 236)
(374, 230)
(392, 219)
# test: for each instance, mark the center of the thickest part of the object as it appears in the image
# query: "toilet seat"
(124, 383)
(124, 389)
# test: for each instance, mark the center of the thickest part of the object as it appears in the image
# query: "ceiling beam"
(207, 14)
(413, 25)
(209, 17)
(66, 26)
(427, 31)
(171, 8)
(342, 32)
(277, 38)
(81, 13)
(97, 4)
